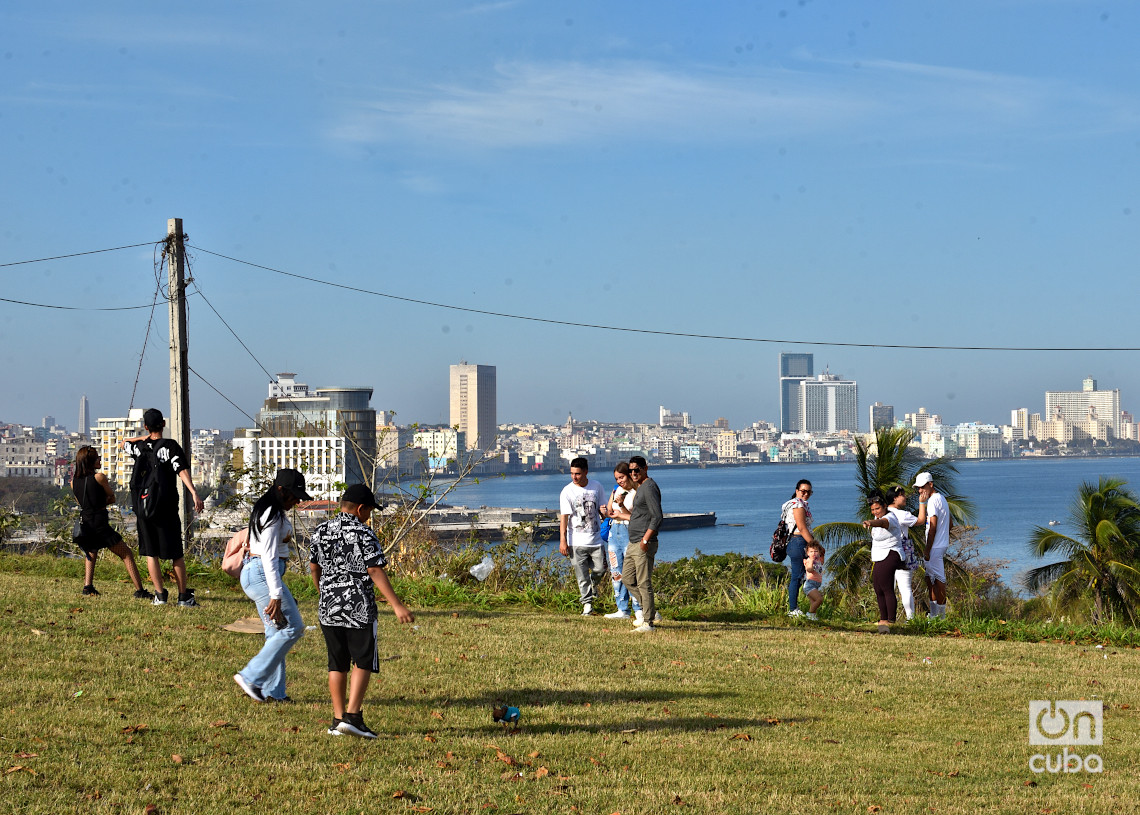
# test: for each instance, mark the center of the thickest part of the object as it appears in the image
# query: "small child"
(813, 577)
(346, 562)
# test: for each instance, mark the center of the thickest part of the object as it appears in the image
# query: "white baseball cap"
(922, 480)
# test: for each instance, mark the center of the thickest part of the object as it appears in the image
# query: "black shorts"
(355, 645)
(162, 538)
(92, 539)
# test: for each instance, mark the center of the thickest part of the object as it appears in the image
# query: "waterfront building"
(726, 446)
(1087, 404)
(328, 433)
(794, 369)
(397, 451)
(443, 445)
(922, 421)
(829, 404)
(882, 416)
(474, 404)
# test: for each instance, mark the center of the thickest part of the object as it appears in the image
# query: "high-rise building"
(1085, 406)
(882, 416)
(474, 404)
(829, 404)
(794, 369)
(330, 433)
(107, 438)
(84, 416)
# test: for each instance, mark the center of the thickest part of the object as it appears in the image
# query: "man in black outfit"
(161, 539)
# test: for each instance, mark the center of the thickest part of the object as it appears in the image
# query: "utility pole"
(179, 358)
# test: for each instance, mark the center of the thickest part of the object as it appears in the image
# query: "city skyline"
(884, 185)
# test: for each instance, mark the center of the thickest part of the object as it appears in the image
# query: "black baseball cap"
(360, 494)
(153, 419)
(292, 482)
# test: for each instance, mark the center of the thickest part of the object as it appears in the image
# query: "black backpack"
(779, 548)
(147, 488)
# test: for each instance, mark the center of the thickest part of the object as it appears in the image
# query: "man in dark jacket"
(644, 522)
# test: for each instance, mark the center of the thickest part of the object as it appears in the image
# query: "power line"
(73, 308)
(75, 255)
(656, 332)
(231, 401)
(198, 290)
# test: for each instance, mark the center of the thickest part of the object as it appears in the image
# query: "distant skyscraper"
(474, 404)
(882, 416)
(84, 416)
(829, 404)
(794, 369)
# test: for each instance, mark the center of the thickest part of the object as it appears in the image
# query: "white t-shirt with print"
(581, 504)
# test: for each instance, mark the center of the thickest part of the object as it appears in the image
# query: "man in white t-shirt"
(938, 525)
(581, 507)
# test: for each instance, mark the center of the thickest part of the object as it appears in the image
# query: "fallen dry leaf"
(534, 754)
(678, 662)
(177, 759)
(220, 723)
(435, 714)
(874, 808)
(429, 738)
(503, 757)
(677, 802)
(743, 737)
(151, 809)
(27, 755)
(541, 772)
(19, 767)
(345, 767)
(399, 794)
(134, 728)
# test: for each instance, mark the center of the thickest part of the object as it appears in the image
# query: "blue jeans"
(615, 550)
(797, 551)
(267, 670)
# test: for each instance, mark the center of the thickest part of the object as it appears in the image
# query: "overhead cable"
(655, 332)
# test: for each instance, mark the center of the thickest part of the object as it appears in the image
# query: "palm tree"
(1101, 562)
(891, 461)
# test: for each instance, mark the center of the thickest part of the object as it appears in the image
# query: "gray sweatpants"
(589, 567)
(637, 574)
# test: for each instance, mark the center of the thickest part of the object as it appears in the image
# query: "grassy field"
(111, 705)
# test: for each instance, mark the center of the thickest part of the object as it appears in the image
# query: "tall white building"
(474, 404)
(829, 404)
(1088, 405)
(84, 416)
(794, 369)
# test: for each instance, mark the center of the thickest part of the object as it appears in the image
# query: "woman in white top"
(621, 501)
(886, 554)
(270, 533)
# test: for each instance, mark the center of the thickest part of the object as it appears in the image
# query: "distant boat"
(1054, 523)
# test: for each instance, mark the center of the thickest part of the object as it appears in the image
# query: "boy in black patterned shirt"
(346, 561)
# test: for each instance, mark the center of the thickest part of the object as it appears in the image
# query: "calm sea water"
(1011, 496)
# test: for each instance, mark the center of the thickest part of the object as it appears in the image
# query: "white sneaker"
(587, 609)
(617, 615)
(638, 618)
(795, 613)
(644, 628)
(812, 616)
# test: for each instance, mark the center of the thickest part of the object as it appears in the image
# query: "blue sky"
(899, 173)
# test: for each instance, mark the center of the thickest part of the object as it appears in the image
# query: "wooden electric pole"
(179, 424)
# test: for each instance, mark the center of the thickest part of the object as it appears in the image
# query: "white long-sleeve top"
(271, 545)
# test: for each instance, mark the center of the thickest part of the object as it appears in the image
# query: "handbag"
(237, 548)
(779, 548)
(77, 527)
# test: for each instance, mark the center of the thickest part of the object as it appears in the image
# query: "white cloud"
(535, 104)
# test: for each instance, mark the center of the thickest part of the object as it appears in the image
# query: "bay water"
(1011, 497)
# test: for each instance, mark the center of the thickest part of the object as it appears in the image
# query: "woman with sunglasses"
(797, 516)
(93, 492)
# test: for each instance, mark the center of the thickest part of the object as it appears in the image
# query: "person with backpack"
(159, 465)
(797, 515)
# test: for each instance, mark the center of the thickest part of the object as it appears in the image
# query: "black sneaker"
(90, 591)
(143, 594)
(160, 598)
(187, 600)
(334, 729)
(284, 700)
(353, 725)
